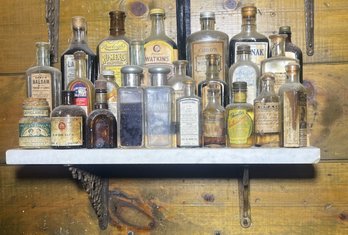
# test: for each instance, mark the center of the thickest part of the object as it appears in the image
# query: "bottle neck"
(131, 80)
(267, 87)
(80, 68)
(249, 24)
(100, 99)
(137, 54)
(213, 98)
(79, 36)
(158, 79)
(293, 77)
(67, 100)
(278, 49)
(207, 24)
(180, 69)
(288, 38)
(189, 89)
(212, 72)
(157, 25)
(43, 56)
(243, 57)
(239, 96)
(117, 26)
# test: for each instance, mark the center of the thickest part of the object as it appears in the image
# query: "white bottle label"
(189, 124)
(69, 69)
(41, 86)
(248, 75)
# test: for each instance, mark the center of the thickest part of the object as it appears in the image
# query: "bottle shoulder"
(292, 86)
(252, 36)
(43, 69)
(163, 38)
(267, 97)
(245, 66)
(207, 36)
(101, 114)
(78, 47)
(68, 111)
(112, 38)
(240, 106)
(283, 60)
(86, 82)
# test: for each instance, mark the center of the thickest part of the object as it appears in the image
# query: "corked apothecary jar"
(35, 125)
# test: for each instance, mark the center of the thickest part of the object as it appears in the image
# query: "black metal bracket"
(244, 202)
(52, 20)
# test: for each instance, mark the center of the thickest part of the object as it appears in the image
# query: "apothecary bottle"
(159, 48)
(293, 109)
(113, 52)
(204, 42)
(291, 50)
(130, 121)
(266, 110)
(44, 81)
(101, 130)
(240, 118)
(78, 43)
(138, 58)
(35, 125)
(68, 124)
(244, 70)
(111, 90)
(212, 77)
(189, 117)
(214, 128)
(159, 110)
(258, 43)
(276, 64)
(83, 88)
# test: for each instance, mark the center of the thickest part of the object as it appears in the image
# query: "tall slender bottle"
(159, 110)
(44, 81)
(159, 48)
(244, 70)
(276, 64)
(189, 117)
(204, 42)
(111, 90)
(101, 129)
(78, 43)
(293, 109)
(212, 77)
(240, 118)
(291, 50)
(138, 58)
(266, 109)
(83, 88)
(258, 42)
(113, 52)
(130, 121)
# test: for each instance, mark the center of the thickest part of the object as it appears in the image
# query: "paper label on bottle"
(67, 131)
(266, 117)
(111, 97)
(113, 55)
(246, 74)
(81, 95)
(259, 51)
(239, 126)
(213, 124)
(188, 132)
(199, 66)
(41, 86)
(35, 134)
(69, 69)
(36, 112)
(280, 79)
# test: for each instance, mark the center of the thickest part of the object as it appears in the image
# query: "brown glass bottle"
(101, 129)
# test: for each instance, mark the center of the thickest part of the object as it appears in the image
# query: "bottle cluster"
(136, 94)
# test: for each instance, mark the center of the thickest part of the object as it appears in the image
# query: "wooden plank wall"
(284, 200)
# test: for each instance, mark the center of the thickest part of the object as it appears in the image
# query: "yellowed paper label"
(41, 85)
(266, 117)
(239, 126)
(66, 131)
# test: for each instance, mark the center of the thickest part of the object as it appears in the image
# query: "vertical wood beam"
(183, 22)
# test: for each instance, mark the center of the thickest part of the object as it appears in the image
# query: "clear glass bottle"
(276, 64)
(78, 43)
(44, 81)
(212, 77)
(244, 70)
(266, 110)
(159, 48)
(214, 128)
(258, 42)
(293, 109)
(83, 88)
(68, 124)
(240, 118)
(130, 121)
(204, 42)
(189, 117)
(113, 52)
(159, 110)
(101, 127)
(291, 50)
(111, 87)
(138, 58)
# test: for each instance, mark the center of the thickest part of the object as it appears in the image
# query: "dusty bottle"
(138, 58)
(101, 129)
(44, 81)
(78, 43)
(68, 124)
(266, 109)
(111, 88)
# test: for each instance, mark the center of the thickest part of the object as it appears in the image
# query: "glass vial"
(112, 90)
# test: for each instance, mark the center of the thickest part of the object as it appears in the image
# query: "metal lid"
(243, 49)
(284, 29)
(249, 10)
(79, 22)
(159, 70)
(131, 69)
(239, 86)
(155, 11)
(207, 14)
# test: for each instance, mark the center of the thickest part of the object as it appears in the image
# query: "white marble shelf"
(308, 155)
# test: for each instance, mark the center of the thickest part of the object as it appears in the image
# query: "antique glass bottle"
(189, 117)
(244, 70)
(111, 87)
(291, 50)
(44, 81)
(159, 110)
(240, 118)
(266, 110)
(276, 64)
(68, 124)
(159, 48)
(101, 127)
(78, 43)
(130, 121)
(258, 43)
(207, 41)
(113, 52)
(212, 77)
(83, 88)
(214, 128)
(138, 58)
(293, 109)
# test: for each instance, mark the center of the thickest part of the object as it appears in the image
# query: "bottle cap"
(79, 22)
(131, 69)
(284, 29)
(249, 10)
(239, 86)
(156, 11)
(292, 67)
(207, 15)
(100, 84)
(159, 69)
(108, 73)
(131, 75)
(243, 49)
(79, 55)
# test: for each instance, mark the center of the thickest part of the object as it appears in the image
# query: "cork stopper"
(243, 49)
(100, 84)
(117, 19)
(292, 67)
(79, 22)
(79, 55)
(284, 30)
(277, 38)
(157, 11)
(249, 11)
(207, 15)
